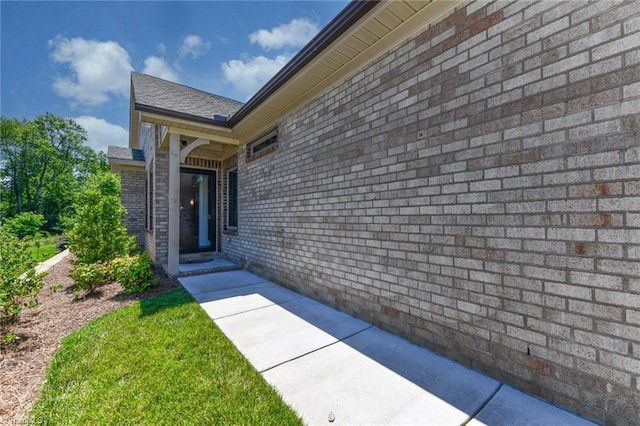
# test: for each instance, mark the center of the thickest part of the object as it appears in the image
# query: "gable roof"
(153, 94)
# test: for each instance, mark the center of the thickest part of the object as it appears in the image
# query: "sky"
(74, 58)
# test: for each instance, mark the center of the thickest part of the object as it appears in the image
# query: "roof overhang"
(189, 127)
(117, 162)
(182, 116)
(347, 17)
(360, 34)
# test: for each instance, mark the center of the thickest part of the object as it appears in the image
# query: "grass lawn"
(46, 250)
(160, 361)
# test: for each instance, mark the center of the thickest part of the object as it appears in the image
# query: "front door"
(197, 210)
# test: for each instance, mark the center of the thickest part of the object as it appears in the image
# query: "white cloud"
(195, 46)
(294, 34)
(98, 69)
(158, 67)
(101, 134)
(162, 48)
(247, 77)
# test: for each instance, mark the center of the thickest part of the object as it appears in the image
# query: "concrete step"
(217, 264)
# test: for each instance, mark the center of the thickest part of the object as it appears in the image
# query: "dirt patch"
(23, 363)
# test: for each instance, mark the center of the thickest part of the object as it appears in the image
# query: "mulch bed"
(23, 363)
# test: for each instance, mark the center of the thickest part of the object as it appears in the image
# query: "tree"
(61, 151)
(99, 235)
(43, 163)
(18, 144)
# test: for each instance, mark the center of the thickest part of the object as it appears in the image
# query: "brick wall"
(150, 246)
(161, 207)
(132, 184)
(148, 134)
(476, 191)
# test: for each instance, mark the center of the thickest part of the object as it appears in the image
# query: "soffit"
(191, 129)
(383, 27)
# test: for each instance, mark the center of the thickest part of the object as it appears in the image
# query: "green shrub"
(133, 272)
(98, 234)
(89, 276)
(27, 224)
(19, 282)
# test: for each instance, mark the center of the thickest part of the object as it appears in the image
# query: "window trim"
(272, 146)
(228, 227)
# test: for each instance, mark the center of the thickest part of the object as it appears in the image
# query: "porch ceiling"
(214, 151)
(387, 24)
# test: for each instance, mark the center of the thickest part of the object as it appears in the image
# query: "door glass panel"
(196, 212)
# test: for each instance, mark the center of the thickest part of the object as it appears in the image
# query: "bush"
(98, 234)
(133, 272)
(89, 276)
(25, 224)
(19, 282)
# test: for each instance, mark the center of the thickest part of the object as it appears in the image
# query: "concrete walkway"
(47, 264)
(332, 368)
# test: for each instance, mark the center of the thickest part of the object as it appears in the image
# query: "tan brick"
(475, 190)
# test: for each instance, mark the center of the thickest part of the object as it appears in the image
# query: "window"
(262, 146)
(232, 200)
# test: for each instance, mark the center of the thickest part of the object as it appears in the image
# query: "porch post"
(174, 204)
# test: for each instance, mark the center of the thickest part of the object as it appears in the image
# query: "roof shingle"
(164, 95)
(122, 153)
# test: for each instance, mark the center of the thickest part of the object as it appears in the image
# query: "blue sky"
(73, 59)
